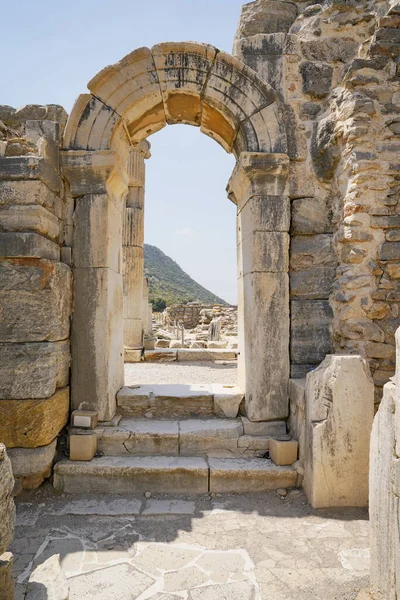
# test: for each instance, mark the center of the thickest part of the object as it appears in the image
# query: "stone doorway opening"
(103, 157)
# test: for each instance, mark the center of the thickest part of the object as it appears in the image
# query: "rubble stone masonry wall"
(334, 65)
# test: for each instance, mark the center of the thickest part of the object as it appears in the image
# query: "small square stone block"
(283, 453)
(87, 419)
(83, 446)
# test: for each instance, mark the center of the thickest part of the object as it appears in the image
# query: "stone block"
(339, 414)
(300, 371)
(266, 16)
(312, 284)
(265, 428)
(317, 79)
(16, 168)
(7, 506)
(33, 218)
(48, 581)
(87, 419)
(97, 233)
(134, 474)
(32, 245)
(33, 423)
(264, 251)
(35, 296)
(161, 355)
(6, 580)
(244, 475)
(198, 436)
(310, 216)
(297, 417)
(310, 331)
(389, 251)
(82, 447)
(283, 453)
(264, 367)
(31, 466)
(309, 251)
(97, 351)
(139, 436)
(190, 354)
(33, 370)
(27, 193)
(162, 344)
(227, 399)
(132, 355)
(264, 213)
(383, 507)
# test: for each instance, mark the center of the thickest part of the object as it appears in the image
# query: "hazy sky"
(50, 50)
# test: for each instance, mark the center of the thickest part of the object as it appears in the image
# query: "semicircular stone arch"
(104, 149)
(180, 82)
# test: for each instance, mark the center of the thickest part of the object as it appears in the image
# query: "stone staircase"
(179, 439)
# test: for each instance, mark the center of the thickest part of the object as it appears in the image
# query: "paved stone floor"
(251, 547)
(181, 372)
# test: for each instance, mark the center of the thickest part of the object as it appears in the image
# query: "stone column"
(97, 324)
(133, 238)
(258, 187)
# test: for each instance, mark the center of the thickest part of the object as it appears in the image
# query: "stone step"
(188, 354)
(167, 474)
(189, 437)
(180, 400)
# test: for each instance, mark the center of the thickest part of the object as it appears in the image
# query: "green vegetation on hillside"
(170, 284)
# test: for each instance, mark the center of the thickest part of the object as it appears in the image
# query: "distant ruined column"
(132, 242)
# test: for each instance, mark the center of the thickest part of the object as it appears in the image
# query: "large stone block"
(23, 193)
(98, 233)
(33, 370)
(35, 297)
(31, 466)
(32, 245)
(16, 168)
(33, 423)
(7, 506)
(339, 415)
(312, 284)
(310, 338)
(97, 348)
(264, 358)
(266, 16)
(310, 216)
(317, 79)
(264, 213)
(30, 218)
(264, 251)
(383, 505)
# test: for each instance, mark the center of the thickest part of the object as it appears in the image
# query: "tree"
(159, 304)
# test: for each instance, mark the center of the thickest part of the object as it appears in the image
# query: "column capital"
(135, 163)
(258, 174)
(87, 171)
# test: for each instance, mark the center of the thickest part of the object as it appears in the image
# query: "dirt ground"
(231, 547)
(181, 372)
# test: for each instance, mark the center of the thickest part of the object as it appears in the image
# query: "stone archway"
(103, 164)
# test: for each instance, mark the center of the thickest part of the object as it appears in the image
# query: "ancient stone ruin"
(309, 105)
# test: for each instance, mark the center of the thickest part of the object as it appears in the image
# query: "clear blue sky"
(50, 50)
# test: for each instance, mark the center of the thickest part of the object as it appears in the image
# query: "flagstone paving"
(225, 547)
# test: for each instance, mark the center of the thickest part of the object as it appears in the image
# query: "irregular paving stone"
(35, 296)
(33, 370)
(33, 423)
(48, 582)
(7, 506)
(240, 590)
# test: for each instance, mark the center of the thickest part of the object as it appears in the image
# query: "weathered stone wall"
(333, 65)
(35, 289)
(7, 523)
